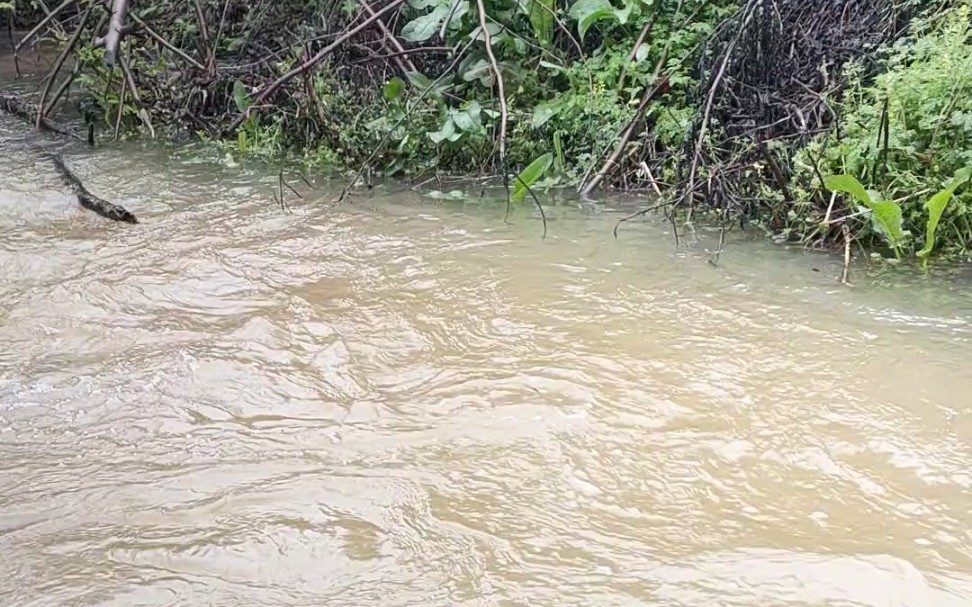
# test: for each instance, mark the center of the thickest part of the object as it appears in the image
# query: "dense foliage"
(775, 112)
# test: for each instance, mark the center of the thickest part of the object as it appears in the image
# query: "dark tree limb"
(42, 107)
(87, 199)
(116, 27)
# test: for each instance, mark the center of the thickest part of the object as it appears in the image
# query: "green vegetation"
(697, 100)
(908, 133)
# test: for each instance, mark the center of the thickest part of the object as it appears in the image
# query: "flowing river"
(405, 401)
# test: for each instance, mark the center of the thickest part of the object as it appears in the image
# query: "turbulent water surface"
(405, 401)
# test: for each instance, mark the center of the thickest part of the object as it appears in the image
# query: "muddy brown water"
(405, 401)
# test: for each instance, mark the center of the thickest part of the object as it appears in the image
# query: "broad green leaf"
(479, 70)
(622, 14)
(542, 18)
(936, 206)
(422, 28)
(468, 117)
(457, 8)
(542, 113)
(589, 12)
(241, 97)
(849, 185)
(423, 83)
(393, 88)
(531, 175)
(888, 214)
(641, 53)
(426, 3)
(493, 28)
(447, 132)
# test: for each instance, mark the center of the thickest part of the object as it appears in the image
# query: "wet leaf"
(241, 97)
(446, 133)
(888, 214)
(936, 206)
(393, 88)
(530, 176)
(422, 28)
(589, 12)
(468, 118)
(479, 70)
(424, 83)
(542, 114)
(848, 184)
(542, 18)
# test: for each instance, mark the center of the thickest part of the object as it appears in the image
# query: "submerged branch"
(87, 199)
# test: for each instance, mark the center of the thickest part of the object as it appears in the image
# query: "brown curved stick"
(87, 199)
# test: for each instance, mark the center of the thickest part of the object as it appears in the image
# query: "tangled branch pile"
(772, 82)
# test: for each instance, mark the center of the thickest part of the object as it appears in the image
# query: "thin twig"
(61, 58)
(158, 38)
(488, 39)
(543, 215)
(37, 28)
(847, 254)
(639, 214)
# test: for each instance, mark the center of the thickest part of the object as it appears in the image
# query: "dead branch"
(625, 137)
(158, 38)
(122, 89)
(312, 62)
(42, 108)
(116, 25)
(487, 38)
(142, 113)
(645, 31)
(402, 60)
(847, 254)
(644, 211)
(203, 32)
(87, 199)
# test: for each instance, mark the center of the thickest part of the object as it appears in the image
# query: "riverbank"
(683, 101)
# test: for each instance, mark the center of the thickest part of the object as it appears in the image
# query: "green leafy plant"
(886, 213)
(936, 206)
(530, 175)
(922, 94)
